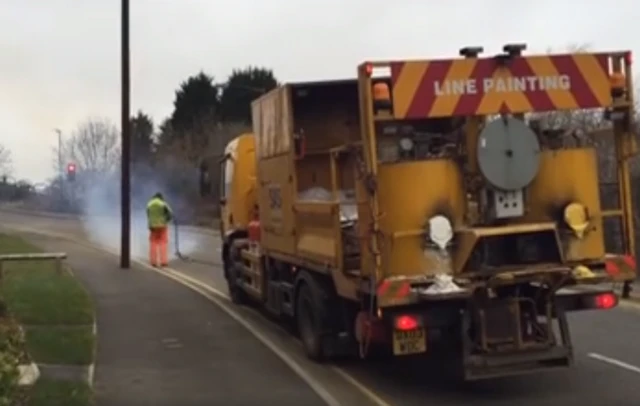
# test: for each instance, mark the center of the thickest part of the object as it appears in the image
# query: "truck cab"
(237, 184)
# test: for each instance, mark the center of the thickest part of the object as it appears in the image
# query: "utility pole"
(60, 166)
(125, 183)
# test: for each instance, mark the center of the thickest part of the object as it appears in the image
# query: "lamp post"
(125, 183)
(60, 172)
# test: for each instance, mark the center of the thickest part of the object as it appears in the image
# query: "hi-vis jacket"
(159, 213)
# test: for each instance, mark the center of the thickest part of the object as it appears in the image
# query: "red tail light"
(628, 58)
(253, 229)
(606, 301)
(406, 322)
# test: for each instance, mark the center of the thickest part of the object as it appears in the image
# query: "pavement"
(606, 345)
(160, 343)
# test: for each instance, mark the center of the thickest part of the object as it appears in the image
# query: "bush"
(11, 355)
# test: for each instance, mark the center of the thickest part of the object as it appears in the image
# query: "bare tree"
(5, 161)
(94, 146)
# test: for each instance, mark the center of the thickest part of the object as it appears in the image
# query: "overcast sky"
(59, 59)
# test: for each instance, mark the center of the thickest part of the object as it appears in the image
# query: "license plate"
(409, 342)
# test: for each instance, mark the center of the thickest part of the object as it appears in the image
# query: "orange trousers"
(158, 244)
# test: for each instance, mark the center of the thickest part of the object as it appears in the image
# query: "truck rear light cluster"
(605, 301)
(406, 322)
(368, 69)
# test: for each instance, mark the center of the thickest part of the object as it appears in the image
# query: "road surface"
(607, 350)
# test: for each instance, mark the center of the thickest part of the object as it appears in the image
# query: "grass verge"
(48, 392)
(37, 295)
(60, 344)
(57, 316)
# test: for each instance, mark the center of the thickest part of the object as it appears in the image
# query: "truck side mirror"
(205, 180)
(299, 144)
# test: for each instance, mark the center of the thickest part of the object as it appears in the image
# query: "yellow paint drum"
(409, 194)
(569, 176)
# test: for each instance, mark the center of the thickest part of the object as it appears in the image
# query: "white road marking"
(613, 361)
(373, 397)
(92, 367)
(91, 373)
(222, 300)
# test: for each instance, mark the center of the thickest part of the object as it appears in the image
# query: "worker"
(159, 214)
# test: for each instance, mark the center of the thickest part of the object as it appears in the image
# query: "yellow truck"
(421, 206)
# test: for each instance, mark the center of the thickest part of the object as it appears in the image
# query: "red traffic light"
(71, 168)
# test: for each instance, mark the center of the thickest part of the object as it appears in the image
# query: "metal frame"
(46, 256)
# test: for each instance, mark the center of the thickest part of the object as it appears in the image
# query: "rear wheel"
(309, 320)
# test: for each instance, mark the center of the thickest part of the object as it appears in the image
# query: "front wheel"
(237, 295)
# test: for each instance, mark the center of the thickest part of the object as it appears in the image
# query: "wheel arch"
(227, 240)
(319, 284)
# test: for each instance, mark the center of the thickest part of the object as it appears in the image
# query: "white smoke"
(99, 197)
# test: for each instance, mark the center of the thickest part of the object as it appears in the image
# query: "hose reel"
(508, 157)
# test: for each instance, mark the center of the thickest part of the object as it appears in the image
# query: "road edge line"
(374, 397)
(91, 373)
(211, 294)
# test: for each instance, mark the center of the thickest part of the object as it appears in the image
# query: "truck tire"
(309, 318)
(237, 295)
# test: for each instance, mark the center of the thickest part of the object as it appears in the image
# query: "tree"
(16, 190)
(196, 98)
(195, 111)
(94, 146)
(188, 145)
(242, 87)
(141, 138)
(5, 161)
(165, 133)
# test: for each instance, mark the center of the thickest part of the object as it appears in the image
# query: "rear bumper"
(584, 298)
(478, 367)
(446, 312)
(571, 298)
(403, 291)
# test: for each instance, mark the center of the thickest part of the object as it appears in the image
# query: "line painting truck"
(422, 204)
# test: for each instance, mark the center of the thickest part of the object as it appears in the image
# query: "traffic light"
(71, 172)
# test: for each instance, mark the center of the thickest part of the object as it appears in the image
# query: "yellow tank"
(569, 176)
(413, 193)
